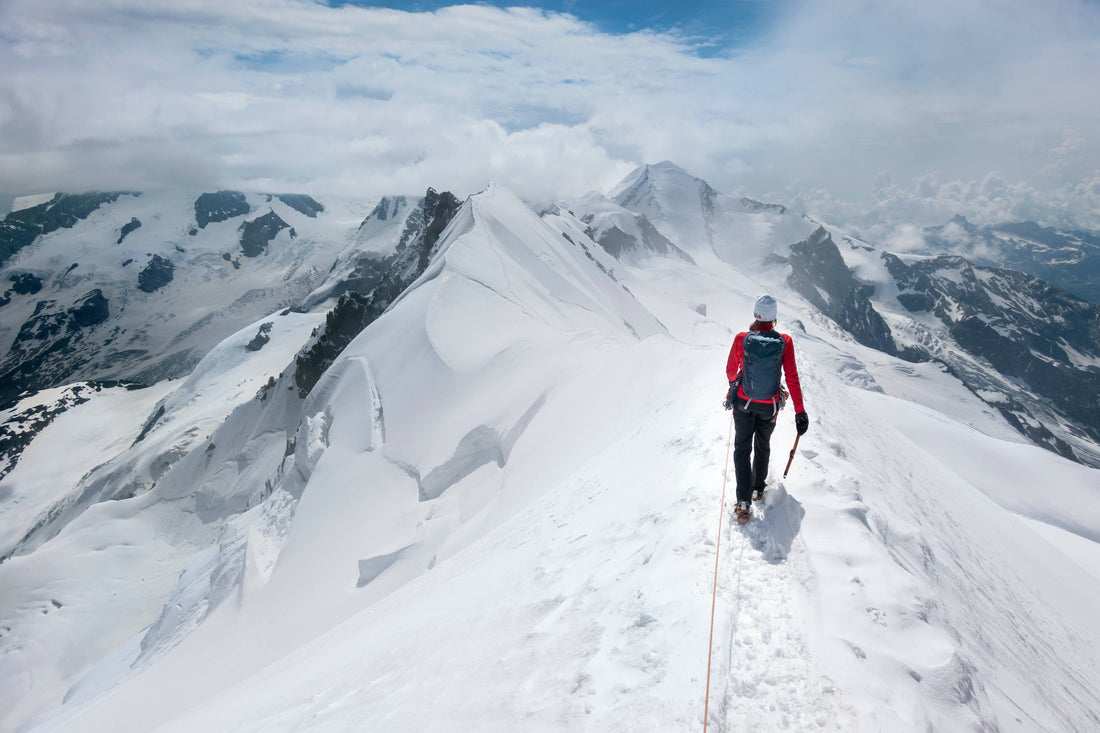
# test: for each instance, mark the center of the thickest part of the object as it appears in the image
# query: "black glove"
(728, 404)
(801, 422)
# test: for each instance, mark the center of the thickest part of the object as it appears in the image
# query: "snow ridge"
(504, 491)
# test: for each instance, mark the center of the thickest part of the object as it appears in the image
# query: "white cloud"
(895, 109)
(905, 238)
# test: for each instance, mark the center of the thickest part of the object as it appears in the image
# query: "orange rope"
(717, 555)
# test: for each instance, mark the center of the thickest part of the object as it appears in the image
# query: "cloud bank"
(867, 112)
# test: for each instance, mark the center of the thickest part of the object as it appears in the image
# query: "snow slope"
(499, 510)
(113, 564)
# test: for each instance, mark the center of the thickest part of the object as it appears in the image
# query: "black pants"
(752, 447)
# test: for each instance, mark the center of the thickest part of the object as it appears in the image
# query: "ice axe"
(788, 468)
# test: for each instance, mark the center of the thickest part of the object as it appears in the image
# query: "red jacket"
(790, 371)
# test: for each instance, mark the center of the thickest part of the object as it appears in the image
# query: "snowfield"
(499, 510)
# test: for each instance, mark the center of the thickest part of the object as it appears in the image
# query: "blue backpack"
(761, 364)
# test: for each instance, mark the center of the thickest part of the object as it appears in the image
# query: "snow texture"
(499, 510)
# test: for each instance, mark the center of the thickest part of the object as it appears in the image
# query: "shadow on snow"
(773, 530)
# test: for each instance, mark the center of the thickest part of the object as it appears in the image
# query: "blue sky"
(725, 23)
(876, 113)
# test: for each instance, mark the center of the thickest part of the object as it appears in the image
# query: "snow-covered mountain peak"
(541, 275)
(706, 224)
(665, 190)
(489, 462)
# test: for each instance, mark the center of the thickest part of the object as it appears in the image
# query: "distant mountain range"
(1069, 260)
(131, 288)
(269, 461)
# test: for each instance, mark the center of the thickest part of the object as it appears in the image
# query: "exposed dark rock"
(133, 224)
(258, 233)
(819, 274)
(382, 211)
(46, 350)
(156, 274)
(1069, 260)
(150, 422)
(43, 353)
(26, 283)
(759, 206)
(1022, 326)
(417, 242)
(591, 257)
(44, 323)
(261, 338)
(623, 246)
(221, 206)
(17, 432)
(127, 261)
(23, 283)
(63, 211)
(24, 370)
(425, 225)
(914, 286)
(301, 203)
(353, 313)
(376, 283)
(368, 273)
(90, 309)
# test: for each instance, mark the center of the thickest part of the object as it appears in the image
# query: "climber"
(756, 397)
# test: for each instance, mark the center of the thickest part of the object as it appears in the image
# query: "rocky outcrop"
(90, 309)
(211, 208)
(63, 211)
(623, 246)
(375, 284)
(423, 229)
(262, 337)
(128, 227)
(353, 313)
(301, 203)
(819, 274)
(258, 233)
(46, 350)
(384, 209)
(758, 207)
(1069, 260)
(22, 284)
(1039, 337)
(158, 273)
(425, 223)
(25, 283)
(48, 320)
(20, 428)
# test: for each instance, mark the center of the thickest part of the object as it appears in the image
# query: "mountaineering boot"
(757, 495)
(743, 513)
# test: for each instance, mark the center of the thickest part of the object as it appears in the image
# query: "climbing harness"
(717, 555)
